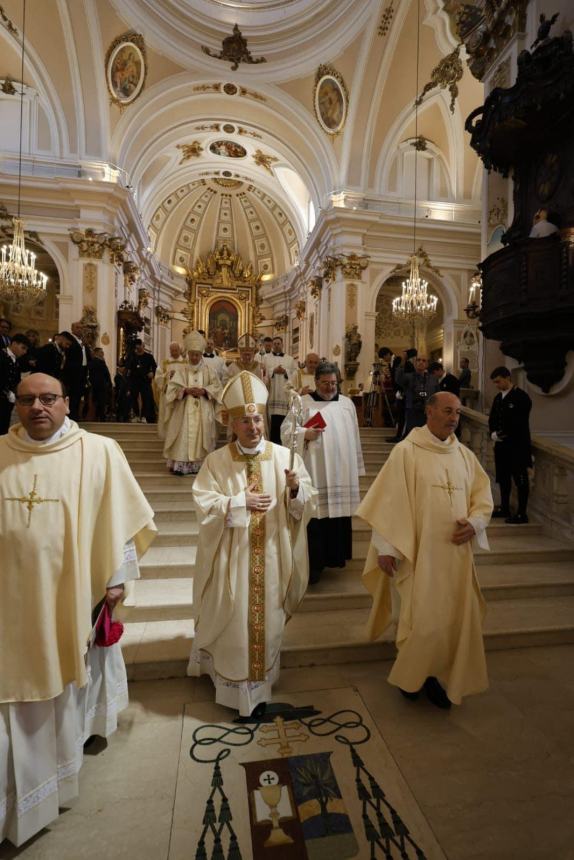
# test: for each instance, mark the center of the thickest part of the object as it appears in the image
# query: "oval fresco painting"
(126, 69)
(227, 149)
(331, 103)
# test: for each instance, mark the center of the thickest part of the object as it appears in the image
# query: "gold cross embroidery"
(30, 500)
(449, 487)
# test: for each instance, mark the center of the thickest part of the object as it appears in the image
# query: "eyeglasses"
(47, 399)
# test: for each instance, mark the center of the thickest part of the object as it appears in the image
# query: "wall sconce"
(472, 310)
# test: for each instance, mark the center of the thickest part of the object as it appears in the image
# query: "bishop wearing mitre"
(251, 567)
(191, 397)
(247, 346)
(162, 376)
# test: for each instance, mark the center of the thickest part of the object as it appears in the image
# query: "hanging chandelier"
(414, 300)
(414, 303)
(19, 279)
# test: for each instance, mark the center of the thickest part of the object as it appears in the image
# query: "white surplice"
(278, 403)
(335, 459)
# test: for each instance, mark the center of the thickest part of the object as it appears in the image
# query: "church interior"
(293, 169)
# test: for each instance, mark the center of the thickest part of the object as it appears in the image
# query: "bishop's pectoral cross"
(33, 498)
(449, 487)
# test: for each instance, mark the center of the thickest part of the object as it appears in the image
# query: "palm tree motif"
(315, 780)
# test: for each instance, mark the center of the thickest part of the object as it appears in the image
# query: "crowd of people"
(275, 507)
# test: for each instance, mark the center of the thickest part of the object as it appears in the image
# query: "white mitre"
(194, 342)
(243, 395)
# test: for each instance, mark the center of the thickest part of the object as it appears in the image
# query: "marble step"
(167, 561)
(177, 533)
(156, 599)
(160, 649)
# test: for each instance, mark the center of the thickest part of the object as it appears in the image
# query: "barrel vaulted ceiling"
(211, 153)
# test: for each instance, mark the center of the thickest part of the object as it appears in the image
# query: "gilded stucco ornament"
(445, 75)
(190, 150)
(351, 266)
(234, 50)
(264, 160)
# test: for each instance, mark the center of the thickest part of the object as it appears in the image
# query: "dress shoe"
(500, 513)
(436, 694)
(517, 520)
(258, 711)
(412, 696)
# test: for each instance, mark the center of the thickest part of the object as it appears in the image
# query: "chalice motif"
(270, 790)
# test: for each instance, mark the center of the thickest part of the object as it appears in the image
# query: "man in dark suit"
(5, 328)
(10, 375)
(75, 370)
(101, 383)
(417, 388)
(465, 375)
(510, 432)
(141, 367)
(446, 381)
(50, 357)
(403, 363)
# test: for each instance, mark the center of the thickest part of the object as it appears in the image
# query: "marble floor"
(494, 777)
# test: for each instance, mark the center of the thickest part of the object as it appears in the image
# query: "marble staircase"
(527, 579)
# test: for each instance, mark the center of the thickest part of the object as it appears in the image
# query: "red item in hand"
(316, 422)
(108, 632)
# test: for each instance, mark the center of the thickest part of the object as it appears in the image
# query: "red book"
(316, 422)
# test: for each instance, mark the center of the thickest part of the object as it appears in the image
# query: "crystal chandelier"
(19, 279)
(414, 301)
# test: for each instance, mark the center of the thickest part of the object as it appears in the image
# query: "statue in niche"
(353, 344)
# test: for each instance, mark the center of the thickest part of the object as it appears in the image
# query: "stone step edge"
(318, 655)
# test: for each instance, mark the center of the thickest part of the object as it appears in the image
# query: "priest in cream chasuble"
(429, 502)
(73, 519)
(251, 568)
(162, 376)
(191, 398)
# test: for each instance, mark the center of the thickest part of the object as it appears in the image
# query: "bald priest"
(251, 568)
(73, 521)
(430, 502)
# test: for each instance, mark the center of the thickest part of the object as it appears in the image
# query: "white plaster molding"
(75, 80)
(98, 54)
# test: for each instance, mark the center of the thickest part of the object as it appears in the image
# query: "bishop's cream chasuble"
(334, 460)
(190, 421)
(423, 488)
(251, 570)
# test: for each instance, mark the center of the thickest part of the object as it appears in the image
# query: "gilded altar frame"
(223, 277)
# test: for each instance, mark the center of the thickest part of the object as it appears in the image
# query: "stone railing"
(551, 481)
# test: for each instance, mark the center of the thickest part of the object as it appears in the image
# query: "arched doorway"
(399, 335)
(42, 315)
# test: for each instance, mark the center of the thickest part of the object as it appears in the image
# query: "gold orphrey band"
(256, 610)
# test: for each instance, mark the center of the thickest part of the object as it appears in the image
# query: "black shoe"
(89, 741)
(436, 694)
(407, 695)
(517, 519)
(500, 513)
(258, 711)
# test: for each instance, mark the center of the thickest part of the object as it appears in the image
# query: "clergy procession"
(272, 518)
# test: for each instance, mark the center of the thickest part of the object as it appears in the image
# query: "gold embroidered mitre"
(245, 394)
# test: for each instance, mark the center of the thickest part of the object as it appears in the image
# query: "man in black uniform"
(509, 429)
(101, 383)
(141, 367)
(417, 387)
(446, 381)
(10, 373)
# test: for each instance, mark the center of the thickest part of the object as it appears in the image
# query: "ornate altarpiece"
(223, 297)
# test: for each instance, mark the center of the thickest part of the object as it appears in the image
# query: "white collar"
(444, 442)
(11, 354)
(66, 426)
(250, 452)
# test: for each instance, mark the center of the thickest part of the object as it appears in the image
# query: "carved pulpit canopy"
(223, 296)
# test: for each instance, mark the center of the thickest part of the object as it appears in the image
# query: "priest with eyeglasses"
(73, 522)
